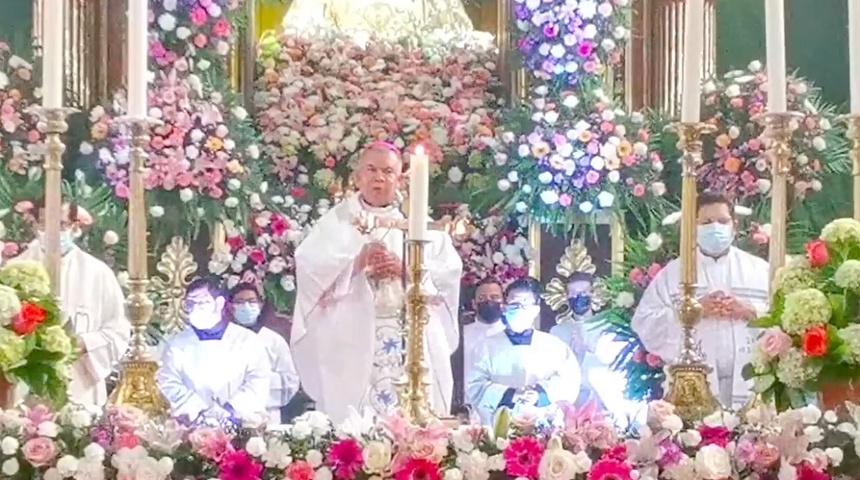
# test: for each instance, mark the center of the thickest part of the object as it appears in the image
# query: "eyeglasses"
(245, 301)
(522, 304)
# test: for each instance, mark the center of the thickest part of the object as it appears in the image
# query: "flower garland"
(740, 165)
(804, 444)
(34, 347)
(323, 96)
(494, 248)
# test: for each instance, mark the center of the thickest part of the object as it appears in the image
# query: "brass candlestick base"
(689, 389)
(853, 134)
(413, 388)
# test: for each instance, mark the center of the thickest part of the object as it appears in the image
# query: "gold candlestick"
(137, 385)
(853, 134)
(689, 389)
(778, 129)
(413, 388)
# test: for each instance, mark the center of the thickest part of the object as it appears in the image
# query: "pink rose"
(774, 342)
(40, 451)
(765, 456)
(660, 410)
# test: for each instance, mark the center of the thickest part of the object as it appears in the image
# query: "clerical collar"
(387, 209)
(520, 338)
(214, 333)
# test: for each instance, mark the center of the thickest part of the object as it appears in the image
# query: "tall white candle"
(694, 44)
(774, 11)
(52, 53)
(419, 186)
(854, 58)
(138, 57)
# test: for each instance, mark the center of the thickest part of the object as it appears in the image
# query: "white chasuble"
(196, 375)
(725, 342)
(93, 308)
(500, 366)
(283, 378)
(346, 352)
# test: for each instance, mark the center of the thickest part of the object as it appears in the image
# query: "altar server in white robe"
(214, 370)
(92, 304)
(245, 309)
(732, 289)
(521, 368)
(488, 304)
(346, 338)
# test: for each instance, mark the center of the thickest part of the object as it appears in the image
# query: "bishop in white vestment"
(346, 336)
(521, 368)
(732, 287)
(93, 307)
(213, 370)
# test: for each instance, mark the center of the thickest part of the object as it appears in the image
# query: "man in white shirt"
(487, 304)
(346, 335)
(213, 371)
(245, 308)
(521, 368)
(732, 287)
(92, 304)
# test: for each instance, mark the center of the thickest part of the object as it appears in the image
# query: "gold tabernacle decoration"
(176, 267)
(55, 126)
(575, 260)
(137, 385)
(688, 389)
(853, 134)
(778, 129)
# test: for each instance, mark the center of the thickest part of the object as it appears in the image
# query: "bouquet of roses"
(495, 247)
(22, 146)
(34, 347)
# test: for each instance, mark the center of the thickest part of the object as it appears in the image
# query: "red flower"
(806, 472)
(610, 469)
(257, 256)
(29, 319)
(418, 469)
(300, 470)
(238, 465)
(815, 341)
(345, 458)
(279, 225)
(719, 436)
(235, 243)
(522, 457)
(817, 254)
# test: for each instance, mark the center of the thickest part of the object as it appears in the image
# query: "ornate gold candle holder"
(137, 385)
(689, 389)
(853, 134)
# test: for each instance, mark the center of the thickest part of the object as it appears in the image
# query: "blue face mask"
(246, 314)
(67, 241)
(715, 238)
(580, 303)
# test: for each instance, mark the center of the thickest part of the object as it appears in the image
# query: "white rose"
(377, 457)
(673, 423)
(713, 463)
(314, 458)
(240, 113)
(47, 429)
(81, 419)
(835, 455)
(810, 414)
(455, 175)
(9, 446)
(186, 195)
(234, 184)
(625, 300)
(690, 438)
(256, 447)
(67, 465)
(813, 434)
(653, 242)
(183, 33)
(231, 202)
(323, 474)
(453, 474)
(94, 451)
(156, 211)
(10, 467)
(558, 464)
(52, 474)
(110, 238)
(148, 468)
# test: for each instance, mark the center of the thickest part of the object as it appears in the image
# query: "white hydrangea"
(793, 369)
(851, 336)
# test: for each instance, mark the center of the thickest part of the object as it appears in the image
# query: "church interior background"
(499, 231)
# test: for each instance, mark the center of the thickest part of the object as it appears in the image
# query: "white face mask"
(715, 238)
(520, 319)
(206, 314)
(67, 241)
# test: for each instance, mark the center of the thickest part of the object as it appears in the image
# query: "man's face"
(66, 223)
(488, 292)
(715, 213)
(378, 176)
(578, 287)
(201, 302)
(243, 297)
(521, 310)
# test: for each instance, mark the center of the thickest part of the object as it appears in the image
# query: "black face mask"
(580, 304)
(489, 311)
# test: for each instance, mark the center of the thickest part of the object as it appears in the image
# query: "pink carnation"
(345, 458)
(610, 469)
(239, 465)
(523, 456)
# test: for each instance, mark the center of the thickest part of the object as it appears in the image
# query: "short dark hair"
(486, 281)
(580, 277)
(243, 287)
(208, 283)
(525, 284)
(715, 198)
(39, 205)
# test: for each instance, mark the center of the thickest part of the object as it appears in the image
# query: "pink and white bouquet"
(22, 146)
(495, 247)
(737, 151)
(322, 97)
(196, 33)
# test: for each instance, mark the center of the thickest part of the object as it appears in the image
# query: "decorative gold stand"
(575, 260)
(176, 267)
(688, 389)
(853, 134)
(137, 385)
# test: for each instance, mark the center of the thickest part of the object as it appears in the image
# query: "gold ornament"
(575, 260)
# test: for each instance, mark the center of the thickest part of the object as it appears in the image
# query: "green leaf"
(748, 372)
(837, 306)
(766, 321)
(763, 383)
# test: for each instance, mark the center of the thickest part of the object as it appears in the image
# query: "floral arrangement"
(263, 256)
(804, 444)
(812, 338)
(34, 347)
(322, 97)
(494, 247)
(739, 163)
(22, 146)
(197, 32)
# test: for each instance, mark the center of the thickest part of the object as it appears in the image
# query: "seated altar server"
(92, 304)
(346, 337)
(732, 289)
(213, 371)
(245, 309)
(488, 303)
(522, 368)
